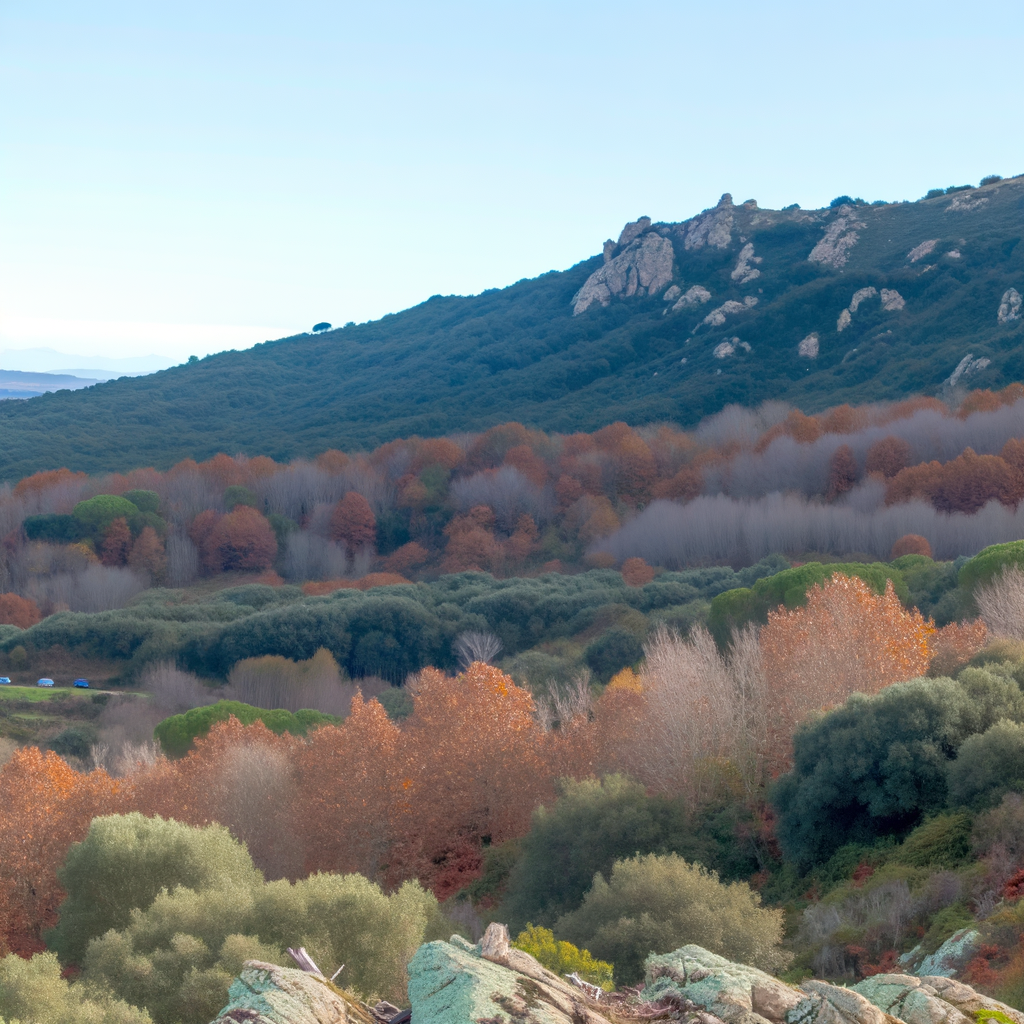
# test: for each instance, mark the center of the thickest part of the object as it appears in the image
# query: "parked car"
(5, 680)
(45, 682)
(82, 684)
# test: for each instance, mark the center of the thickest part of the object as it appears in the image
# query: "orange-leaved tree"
(19, 611)
(46, 807)
(353, 523)
(846, 639)
(243, 539)
(117, 542)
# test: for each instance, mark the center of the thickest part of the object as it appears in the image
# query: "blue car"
(5, 680)
(82, 684)
(45, 682)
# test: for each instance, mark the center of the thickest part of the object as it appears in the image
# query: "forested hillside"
(856, 302)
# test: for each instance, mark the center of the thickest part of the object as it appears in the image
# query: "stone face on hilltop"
(643, 267)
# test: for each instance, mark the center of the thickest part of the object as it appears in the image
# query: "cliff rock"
(643, 267)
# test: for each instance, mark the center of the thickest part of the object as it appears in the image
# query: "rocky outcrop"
(634, 229)
(718, 315)
(712, 227)
(809, 347)
(840, 237)
(922, 250)
(643, 267)
(963, 202)
(744, 272)
(933, 1000)
(268, 994)
(967, 367)
(491, 983)
(695, 296)
(1009, 306)
(892, 300)
(738, 994)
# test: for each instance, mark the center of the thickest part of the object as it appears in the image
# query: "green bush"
(735, 608)
(941, 842)
(612, 650)
(96, 514)
(563, 957)
(236, 494)
(590, 826)
(122, 864)
(57, 529)
(655, 904)
(988, 766)
(177, 957)
(876, 765)
(990, 561)
(75, 741)
(177, 733)
(144, 501)
(34, 991)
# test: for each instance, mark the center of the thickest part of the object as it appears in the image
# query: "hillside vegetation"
(851, 303)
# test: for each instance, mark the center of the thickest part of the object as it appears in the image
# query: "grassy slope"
(454, 363)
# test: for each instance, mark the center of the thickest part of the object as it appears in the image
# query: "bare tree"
(182, 559)
(472, 646)
(1001, 603)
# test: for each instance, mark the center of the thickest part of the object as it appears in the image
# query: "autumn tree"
(888, 456)
(353, 523)
(846, 639)
(911, 544)
(842, 472)
(970, 481)
(243, 539)
(636, 572)
(47, 806)
(472, 545)
(117, 543)
(18, 611)
(148, 555)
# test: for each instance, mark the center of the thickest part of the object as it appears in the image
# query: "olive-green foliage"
(875, 765)
(177, 733)
(563, 957)
(177, 957)
(941, 842)
(988, 766)
(590, 826)
(654, 904)
(735, 608)
(74, 741)
(236, 494)
(33, 992)
(96, 514)
(989, 562)
(124, 862)
(144, 501)
(934, 588)
(387, 631)
(520, 353)
(397, 702)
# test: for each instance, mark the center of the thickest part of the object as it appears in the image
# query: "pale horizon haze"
(185, 178)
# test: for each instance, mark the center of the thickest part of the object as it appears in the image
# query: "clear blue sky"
(182, 177)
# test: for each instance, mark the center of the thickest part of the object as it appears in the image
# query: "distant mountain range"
(17, 384)
(672, 321)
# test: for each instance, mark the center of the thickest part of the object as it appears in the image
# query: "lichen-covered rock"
(967, 367)
(695, 296)
(718, 315)
(634, 229)
(458, 983)
(892, 300)
(933, 1000)
(268, 994)
(922, 250)
(861, 295)
(809, 347)
(966, 201)
(736, 993)
(952, 956)
(643, 267)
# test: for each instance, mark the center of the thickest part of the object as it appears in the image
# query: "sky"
(183, 178)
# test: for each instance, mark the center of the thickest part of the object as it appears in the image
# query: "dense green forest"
(941, 270)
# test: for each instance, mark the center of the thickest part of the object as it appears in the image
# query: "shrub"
(144, 501)
(237, 495)
(989, 562)
(124, 862)
(563, 957)
(988, 766)
(1001, 602)
(590, 826)
(941, 842)
(990, 179)
(659, 903)
(75, 741)
(178, 957)
(33, 990)
(177, 733)
(613, 650)
(58, 529)
(875, 765)
(96, 514)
